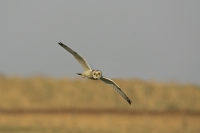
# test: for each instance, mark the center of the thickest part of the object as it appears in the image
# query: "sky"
(149, 40)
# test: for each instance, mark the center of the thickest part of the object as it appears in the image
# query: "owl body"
(91, 74)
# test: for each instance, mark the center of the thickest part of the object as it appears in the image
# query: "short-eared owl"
(94, 74)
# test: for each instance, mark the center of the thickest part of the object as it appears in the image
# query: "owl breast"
(96, 74)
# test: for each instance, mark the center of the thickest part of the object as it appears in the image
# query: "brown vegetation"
(43, 94)
(103, 123)
(49, 93)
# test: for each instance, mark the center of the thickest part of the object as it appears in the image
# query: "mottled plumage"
(94, 74)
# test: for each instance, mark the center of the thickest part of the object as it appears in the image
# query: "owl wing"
(115, 87)
(80, 59)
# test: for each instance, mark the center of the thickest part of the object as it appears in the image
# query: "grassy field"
(49, 93)
(102, 123)
(45, 93)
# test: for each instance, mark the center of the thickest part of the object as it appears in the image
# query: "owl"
(94, 74)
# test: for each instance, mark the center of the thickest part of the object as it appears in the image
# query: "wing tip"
(60, 43)
(129, 101)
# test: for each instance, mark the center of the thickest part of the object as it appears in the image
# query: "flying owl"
(94, 74)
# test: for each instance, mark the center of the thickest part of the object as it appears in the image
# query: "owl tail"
(79, 73)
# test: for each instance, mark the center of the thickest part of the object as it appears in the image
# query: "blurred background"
(149, 48)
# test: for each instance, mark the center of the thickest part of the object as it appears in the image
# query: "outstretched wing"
(80, 59)
(115, 87)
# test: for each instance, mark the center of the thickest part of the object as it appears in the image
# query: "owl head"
(96, 74)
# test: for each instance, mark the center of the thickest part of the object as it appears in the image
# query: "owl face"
(96, 74)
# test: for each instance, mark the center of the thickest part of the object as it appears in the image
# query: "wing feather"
(79, 58)
(115, 87)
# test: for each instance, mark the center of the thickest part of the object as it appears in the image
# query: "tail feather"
(79, 73)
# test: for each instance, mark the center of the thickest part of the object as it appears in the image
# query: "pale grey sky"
(125, 39)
